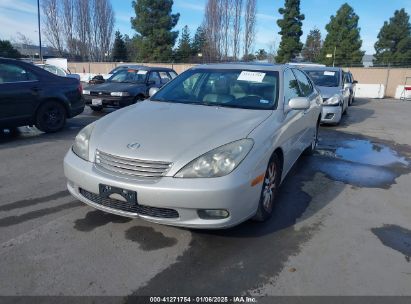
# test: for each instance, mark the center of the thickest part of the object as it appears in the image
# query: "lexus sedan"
(208, 150)
(335, 93)
(127, 86)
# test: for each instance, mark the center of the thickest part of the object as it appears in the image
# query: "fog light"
(329, 116)
(213, 214)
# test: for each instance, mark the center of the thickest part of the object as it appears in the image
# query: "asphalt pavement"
(341, 225)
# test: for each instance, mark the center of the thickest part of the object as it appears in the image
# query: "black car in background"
(30, 95)
(126, 87)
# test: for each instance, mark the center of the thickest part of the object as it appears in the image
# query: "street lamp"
(38, 19)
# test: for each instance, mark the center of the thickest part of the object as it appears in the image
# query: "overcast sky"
(21, 16)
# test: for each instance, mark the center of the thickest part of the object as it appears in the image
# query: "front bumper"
(331, 114)
(186, 196)
(109, 101)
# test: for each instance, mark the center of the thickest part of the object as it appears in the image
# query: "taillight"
(80, 88)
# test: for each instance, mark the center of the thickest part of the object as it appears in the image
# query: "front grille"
(93, 93)
(131, 167)
(132, 208)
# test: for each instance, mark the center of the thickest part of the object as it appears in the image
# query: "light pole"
(38, 18)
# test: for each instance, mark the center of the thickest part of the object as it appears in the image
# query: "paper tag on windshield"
(327, 73)
(141, 72)
(251, 76)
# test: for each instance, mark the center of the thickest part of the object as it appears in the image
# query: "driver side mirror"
(355, 82)
(299, 103)
(153, 91)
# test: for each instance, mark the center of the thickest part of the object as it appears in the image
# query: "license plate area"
(130, 196)
(96, 102)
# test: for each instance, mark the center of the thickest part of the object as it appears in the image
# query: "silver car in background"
(336, 96)
(209, 150)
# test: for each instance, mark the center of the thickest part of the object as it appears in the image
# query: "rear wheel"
(51, 117)
(269, 190)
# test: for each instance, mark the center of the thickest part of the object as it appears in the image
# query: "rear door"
(19, 93)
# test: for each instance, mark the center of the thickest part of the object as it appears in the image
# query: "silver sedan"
(209, 150)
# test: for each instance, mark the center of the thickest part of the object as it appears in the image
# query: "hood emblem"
(133, 146)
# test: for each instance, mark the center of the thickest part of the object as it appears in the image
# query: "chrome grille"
(130, 166)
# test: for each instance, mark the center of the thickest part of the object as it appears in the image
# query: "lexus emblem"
(133, 146)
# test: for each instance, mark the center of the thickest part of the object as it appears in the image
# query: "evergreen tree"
(312, 48)
(290, 25)
(394, 41)
(154, 23)
(7, 50)
(344, 38)
(261, 54)
(119, 48)
(184, 51)
(199, 42)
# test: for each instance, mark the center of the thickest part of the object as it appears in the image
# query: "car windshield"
(324, 78)
(129, 75)
(225, 88)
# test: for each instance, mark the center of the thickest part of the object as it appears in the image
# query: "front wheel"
(269, 190)
(51, 117)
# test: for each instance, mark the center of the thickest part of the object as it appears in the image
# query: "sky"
(20, 16)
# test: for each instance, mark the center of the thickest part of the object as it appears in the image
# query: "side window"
(154, 77)
(172, 74)
(165, 77)
(291, 88)
(14, 73)
(305, 84)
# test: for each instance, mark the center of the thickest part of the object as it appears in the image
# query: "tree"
(394, 41)
(154, 23)
(184, 51)
(52, 24)
(312, 48)
(102, 25)
(199, 42)
(8, 51)
(290, 25)
(261, 54)
(119, 48)
(213, 26)
(237, 8)
(343, 38)
(249, 25)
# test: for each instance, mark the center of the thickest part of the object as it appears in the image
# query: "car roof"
(243, 66)
(143, 67)
(315, 68)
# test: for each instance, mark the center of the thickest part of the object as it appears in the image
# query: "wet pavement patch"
(149, 239)
(360, 161)
(395, 237)
(97, 218)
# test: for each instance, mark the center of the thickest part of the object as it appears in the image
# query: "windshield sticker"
(327, 73)
(251, 76)
(264, 101)
(142, 72)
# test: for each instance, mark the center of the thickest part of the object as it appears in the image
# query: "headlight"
(86, 92)
(120, 94)
(335, 100)
(80, 147)
(217, 162)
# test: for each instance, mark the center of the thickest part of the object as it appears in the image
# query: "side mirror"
(151, 82)
(299, 103)
(355, 82)
(153, 91)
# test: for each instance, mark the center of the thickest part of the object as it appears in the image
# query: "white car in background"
(58, 71)
(208, 150)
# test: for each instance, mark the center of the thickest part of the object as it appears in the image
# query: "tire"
(310, 150)
(269, 190)
(51, 117)
(96, 108)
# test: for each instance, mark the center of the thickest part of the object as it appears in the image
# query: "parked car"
(208, 150)
(30, 95)
(126, 87)
(336, 96)
(58, 71)
(350, 83)
(98, 79)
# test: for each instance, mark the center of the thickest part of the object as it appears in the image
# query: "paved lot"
(341, 226)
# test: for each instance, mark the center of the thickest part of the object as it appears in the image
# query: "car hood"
(113, 87)
(172, 132)
(327, 92)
